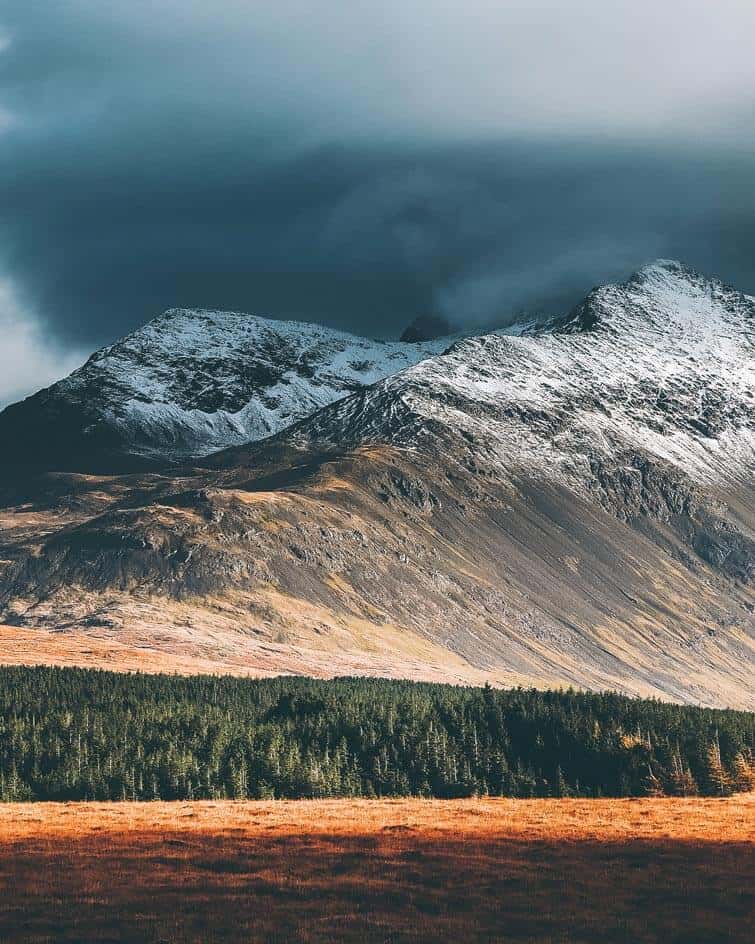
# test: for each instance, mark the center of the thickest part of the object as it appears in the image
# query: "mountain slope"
(575, 505)
(664, 364)
(192, 382)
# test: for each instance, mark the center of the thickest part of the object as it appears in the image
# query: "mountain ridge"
(570, 506)
(192, 381)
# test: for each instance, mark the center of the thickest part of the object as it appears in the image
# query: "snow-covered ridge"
(667, 296)
(194, 381)
(662, 365)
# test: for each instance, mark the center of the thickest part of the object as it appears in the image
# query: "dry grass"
(677, 871)
(302, 639)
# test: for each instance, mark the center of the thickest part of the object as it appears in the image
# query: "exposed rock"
(427, 328)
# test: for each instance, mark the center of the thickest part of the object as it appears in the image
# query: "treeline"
(69, 734)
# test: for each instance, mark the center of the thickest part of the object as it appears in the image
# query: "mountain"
(570, 505)
(426, 328)
(193, 382)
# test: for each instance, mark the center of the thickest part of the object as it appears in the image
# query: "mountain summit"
(570, 503)
(662, 365)
(193, 382)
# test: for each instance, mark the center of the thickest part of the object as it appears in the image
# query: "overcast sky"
(359, 164)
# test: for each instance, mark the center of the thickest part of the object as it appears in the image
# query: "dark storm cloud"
(357, 168)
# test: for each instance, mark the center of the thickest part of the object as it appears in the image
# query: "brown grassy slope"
(677, 871)
(378, 562)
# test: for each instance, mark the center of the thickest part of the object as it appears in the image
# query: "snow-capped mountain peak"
(191, 382)
(661, 365)
(666, 296)
(662, 362)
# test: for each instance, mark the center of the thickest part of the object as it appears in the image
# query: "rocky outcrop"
(427, 328)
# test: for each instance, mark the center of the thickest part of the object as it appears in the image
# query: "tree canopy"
(74, 734)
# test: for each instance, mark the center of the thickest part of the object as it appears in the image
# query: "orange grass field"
(676, 871)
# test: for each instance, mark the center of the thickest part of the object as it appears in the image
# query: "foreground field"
(383, 871)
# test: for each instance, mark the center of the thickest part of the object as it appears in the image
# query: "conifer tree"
(744, 772)
(720, 783)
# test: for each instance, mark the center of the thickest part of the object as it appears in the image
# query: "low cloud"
(498, 295)
(28, 361)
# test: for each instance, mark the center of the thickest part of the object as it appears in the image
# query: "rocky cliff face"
(573, 504)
